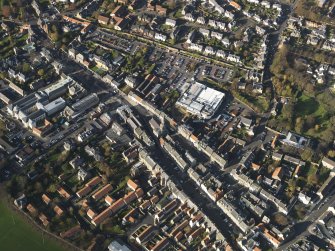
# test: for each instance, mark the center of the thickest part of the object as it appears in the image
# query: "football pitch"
(18, 235)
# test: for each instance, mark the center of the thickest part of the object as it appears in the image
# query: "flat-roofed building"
(58, 89)
(201, 100)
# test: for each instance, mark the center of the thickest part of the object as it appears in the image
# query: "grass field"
(17, 235)
(308, 105)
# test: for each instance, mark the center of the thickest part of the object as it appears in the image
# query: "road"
(301, 229)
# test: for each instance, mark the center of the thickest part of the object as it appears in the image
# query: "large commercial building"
(201, 100)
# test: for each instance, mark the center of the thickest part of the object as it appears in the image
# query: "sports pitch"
(18, 235)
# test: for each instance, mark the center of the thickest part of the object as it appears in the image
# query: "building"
(327, 186)
(278, 173)
(58, 89)
(131, 81)
(147, 233)
(295, 140)
(103, 20)
(101, 63)
(81, 106)
(201, 100)
(53, 107)
(326, 162)
(83, 174)
(21, 201)
(102, 192)
(170, 22)
(118, 246)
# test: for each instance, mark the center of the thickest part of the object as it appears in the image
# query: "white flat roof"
(201, 100)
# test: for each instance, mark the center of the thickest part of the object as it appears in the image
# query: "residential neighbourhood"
(170, 125)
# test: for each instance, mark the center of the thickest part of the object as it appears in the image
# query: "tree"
(38, 187)
(40, 72)
(25, 67)
(306, 155)
(21, 182)
(6, 11)
(312, 179)
(331, 153)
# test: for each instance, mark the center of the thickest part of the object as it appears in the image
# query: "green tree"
(40, 72)
(25, 67)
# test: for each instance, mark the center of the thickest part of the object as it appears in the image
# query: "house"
(117, 205)
(121, 24)
(241, 85)
(93, 182)
(221, 54)
(93, 152)
(257, 88)
(84, 191)
(235, 5)
(91, 214)
(46, 199)
(119, 11)
(76, 162)
(83, 174)
(131, 81)
(147, 234)
(327, 186)
(217, 35)
(101, 63)
(233, 58)
(270, 236)
(31, 209)
(328, 163)
(109, 200)
(102, 216)
(21, 201)
(132, 185)
(201, 20)
(277, 173)
(118, 246)
(277, 156)
(170, 22)
(102, 192)
(103, 19)
(246, 122)
(62, 192)
(161, 245)
(304, 198)
(43, 219)
(160, 10)
(204, 32)
(209, 50)
(160, 37)
(212, 23)
(58, 210)
(295, 140)
(196, 47)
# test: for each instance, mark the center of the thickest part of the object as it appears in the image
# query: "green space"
(309, 106)
(258, 103)
(17, 235)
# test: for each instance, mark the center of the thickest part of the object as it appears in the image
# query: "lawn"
(17, 235)
(307, 105)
